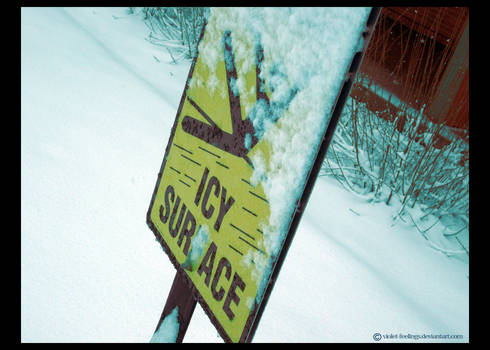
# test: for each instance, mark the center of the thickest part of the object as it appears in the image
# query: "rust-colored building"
(419, 56)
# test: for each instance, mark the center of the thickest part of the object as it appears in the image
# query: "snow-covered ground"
(97, 104)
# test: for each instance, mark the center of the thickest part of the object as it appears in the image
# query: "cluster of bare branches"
(399, 150)
(177, 29)
(370, 156)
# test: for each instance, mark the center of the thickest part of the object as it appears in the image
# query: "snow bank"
(94, 124)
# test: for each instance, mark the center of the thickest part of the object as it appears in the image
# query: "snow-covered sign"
(240, 162)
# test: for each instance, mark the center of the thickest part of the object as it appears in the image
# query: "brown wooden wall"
(413, 56)
(444, 23)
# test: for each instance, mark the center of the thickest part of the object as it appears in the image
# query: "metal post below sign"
(180, 296)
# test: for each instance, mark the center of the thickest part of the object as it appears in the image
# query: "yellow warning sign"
(205, 208)
(209, 209)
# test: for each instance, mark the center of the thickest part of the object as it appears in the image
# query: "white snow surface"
(96, 114)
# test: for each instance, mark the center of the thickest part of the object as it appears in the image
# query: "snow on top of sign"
(306, 54)
(168, 330)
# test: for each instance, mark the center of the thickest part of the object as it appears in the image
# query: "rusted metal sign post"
(208, 210)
